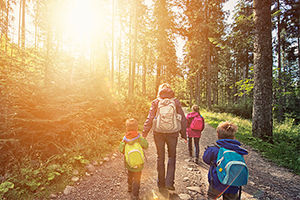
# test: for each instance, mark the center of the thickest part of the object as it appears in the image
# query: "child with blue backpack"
(132, 147)
(221, 183)
(194, 127)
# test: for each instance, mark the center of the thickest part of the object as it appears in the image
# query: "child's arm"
(208, 155)
(122, 146)
(143, 143)
(188, 121)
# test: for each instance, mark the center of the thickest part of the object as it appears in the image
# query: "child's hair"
(195, 108)
(163, 86)
(131, 124)
(227, 130)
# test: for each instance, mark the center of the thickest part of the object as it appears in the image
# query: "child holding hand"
(133, 172)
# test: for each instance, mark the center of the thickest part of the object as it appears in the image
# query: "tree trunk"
(144, 75)
(158, 70)
(191, 91)
(7, 24)
(262, 100)
(23, 27)
(208, 81)
(135, 48)
(48, 47)
(112, 45)
(280, 111)
(130, 62)
(120, 57)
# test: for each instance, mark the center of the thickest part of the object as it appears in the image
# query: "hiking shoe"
(129, 189)
(164, 192)
(171, 187)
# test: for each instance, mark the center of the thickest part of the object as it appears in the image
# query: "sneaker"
(171, 187)
(135, 198)
(164, 192)
(129, 189)
(196, 160)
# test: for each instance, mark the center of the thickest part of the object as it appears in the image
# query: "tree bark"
(262, 100)
(280, 111)
(112, 45)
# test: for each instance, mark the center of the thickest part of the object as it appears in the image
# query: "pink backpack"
(197, 123)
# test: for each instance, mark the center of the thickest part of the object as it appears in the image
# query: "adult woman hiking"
(167, 120)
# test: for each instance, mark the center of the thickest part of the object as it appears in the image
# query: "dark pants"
(196, 145)
(134, 181)
(214, 194)
(160, 141)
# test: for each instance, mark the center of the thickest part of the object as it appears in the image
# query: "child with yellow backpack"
(132, 147)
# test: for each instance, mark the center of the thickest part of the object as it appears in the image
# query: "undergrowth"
(286, 139)
(96, 132)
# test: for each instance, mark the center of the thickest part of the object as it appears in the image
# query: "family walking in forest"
(167, 120)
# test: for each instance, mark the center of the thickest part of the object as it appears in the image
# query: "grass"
(285, 149)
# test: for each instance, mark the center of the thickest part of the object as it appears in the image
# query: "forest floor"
(266, 181)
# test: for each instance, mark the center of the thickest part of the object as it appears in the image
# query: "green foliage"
(240, 109)
(284, 150)
(4, 187)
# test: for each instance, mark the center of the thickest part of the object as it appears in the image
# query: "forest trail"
(109, 181)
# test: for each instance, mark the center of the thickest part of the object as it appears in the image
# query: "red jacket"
(189, 131)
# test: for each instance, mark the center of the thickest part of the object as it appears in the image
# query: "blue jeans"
(134, 182)
(160, 141)
(196, 144)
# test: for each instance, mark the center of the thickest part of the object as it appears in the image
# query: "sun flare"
(83, 18)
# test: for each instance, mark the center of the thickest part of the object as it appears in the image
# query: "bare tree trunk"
(208, 81)
(262, 101)
(158, 72)
(119, 55)
(112, 45)
(144, 75)
(280, 111)
(49, 47)
(130, 62)
(196, 88)
(135, 48)
(191, 91)
(20, 19)
(7, 24)
(23, 26)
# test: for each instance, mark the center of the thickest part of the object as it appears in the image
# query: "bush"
(242, 110)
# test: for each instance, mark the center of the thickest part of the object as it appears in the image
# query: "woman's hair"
(132, 124)
(195, 108)
(163, 86)
(227, 130)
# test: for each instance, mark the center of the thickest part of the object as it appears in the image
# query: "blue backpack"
(231, 168)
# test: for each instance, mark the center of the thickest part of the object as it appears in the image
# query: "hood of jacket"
(131, 140)
(166, 93)
(232, 145)
(193, 114)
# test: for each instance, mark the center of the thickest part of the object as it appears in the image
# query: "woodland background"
(66, 92)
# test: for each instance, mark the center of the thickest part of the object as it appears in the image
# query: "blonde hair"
(227, 130)
(163, 86)
(195, 108)
(132, 124)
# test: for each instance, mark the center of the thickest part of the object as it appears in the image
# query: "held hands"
(185, 140)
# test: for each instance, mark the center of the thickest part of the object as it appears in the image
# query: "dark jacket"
(144, 144)
(210, 155)
(190, 132)
(165, 93)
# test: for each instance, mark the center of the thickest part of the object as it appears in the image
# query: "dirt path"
(109, 181)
